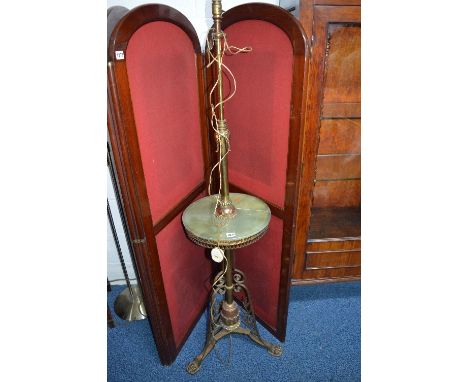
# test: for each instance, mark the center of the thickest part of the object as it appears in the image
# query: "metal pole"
(226, 207)
(119, 250)
(115, 186)
(229, 283)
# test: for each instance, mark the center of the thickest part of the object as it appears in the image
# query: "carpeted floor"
(322, 344)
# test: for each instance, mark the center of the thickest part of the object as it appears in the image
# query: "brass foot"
(275, 350)
(193, 367)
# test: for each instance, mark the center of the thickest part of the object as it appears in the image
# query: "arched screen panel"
(162, 75)
(266, 123)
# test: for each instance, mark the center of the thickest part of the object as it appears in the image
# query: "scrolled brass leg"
(249, 317)
(274, 350)
(195, 365)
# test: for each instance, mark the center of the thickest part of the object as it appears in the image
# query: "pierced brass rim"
(225, 244)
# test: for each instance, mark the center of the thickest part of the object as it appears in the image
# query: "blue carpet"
(322, 344)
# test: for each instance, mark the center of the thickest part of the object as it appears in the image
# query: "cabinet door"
(332, 250)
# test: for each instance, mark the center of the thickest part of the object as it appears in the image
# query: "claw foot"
(193, 367)
(275, 350)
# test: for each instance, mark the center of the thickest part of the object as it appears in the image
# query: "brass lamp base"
(129, 306)
(225, 319)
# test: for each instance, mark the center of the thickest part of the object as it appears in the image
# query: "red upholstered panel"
(261, 264)
(258, 115)
(161, 66)
(163, 83)
(186, 275)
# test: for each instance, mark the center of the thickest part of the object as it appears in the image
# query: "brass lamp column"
(229, 309)
(225, 206)
(224, 222)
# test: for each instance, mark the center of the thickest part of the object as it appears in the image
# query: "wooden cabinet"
(329, 248)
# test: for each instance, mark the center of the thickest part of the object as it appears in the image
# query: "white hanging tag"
(217, 254)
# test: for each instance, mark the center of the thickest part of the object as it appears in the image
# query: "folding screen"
(155, 81)
(159, 138)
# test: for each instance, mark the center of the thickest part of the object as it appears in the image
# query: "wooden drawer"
(329, 274)
(338, 245)
(342, 110)
(337, 193)
(340, 136)
(332, 259)
(326, 261)
(333, 167)
(343, 61)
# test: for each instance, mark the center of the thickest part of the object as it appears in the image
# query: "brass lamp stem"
(229, 284)
(217, 15)
(225, 206)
